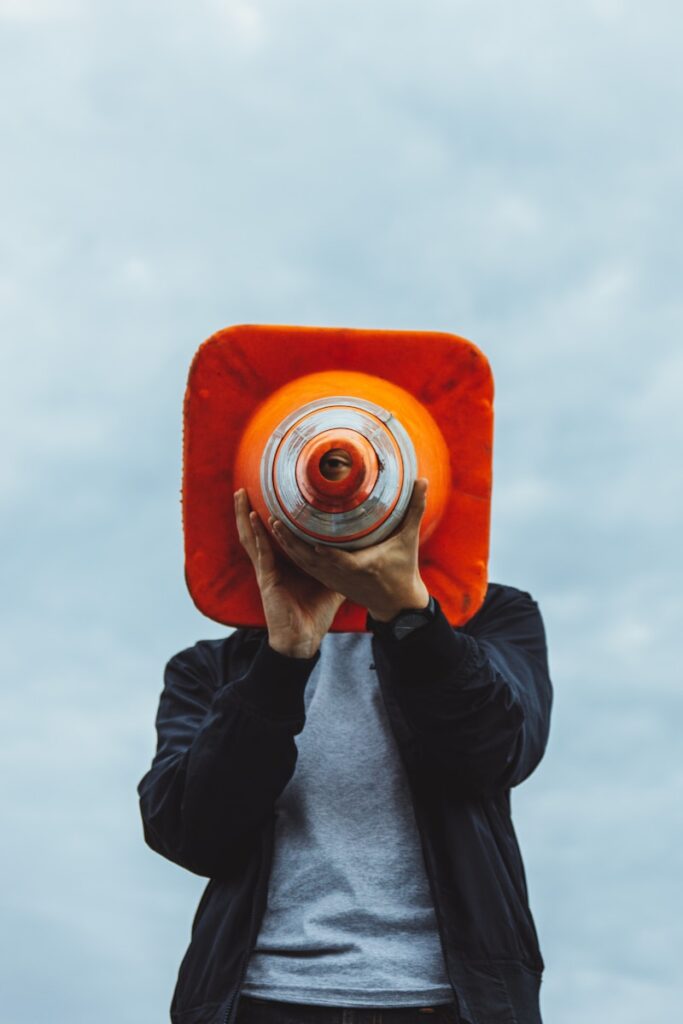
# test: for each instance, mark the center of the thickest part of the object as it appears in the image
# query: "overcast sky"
(506, 171)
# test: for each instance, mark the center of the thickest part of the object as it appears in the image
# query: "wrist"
(415, 599)
(294, 649)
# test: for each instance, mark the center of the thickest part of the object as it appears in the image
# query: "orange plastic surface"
(244, 380)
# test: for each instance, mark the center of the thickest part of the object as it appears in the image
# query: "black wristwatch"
(405, 622)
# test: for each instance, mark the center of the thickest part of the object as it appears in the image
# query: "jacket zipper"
(435, 901)
(254, 926)
(237, 989)
(418, 818)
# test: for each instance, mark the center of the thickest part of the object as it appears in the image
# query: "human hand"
(384, 578)
(298, 609)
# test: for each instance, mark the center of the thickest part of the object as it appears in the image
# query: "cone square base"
(236, 370)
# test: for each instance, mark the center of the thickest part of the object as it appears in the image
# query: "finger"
(416, 506)
(291, 544)
(335, 558)
(264, 548)
(244, 530)
(300, 552)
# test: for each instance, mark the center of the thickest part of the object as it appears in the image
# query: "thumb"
(416, 506)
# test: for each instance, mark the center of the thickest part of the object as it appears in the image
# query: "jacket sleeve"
(225, 751)
(477, 698)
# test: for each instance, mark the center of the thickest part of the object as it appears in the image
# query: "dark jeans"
(261, 1011)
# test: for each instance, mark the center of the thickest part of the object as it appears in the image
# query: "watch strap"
(404, 623)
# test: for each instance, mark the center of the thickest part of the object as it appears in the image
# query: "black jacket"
(470, 709)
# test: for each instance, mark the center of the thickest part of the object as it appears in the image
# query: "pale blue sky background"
(507, 171)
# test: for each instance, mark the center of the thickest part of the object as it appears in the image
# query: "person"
(348, 795)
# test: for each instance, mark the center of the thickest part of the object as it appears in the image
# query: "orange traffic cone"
(327, 429)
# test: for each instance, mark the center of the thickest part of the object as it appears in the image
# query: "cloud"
(510, 173)
(37, 11)
(245, 18)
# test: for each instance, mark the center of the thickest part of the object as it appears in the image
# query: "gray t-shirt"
(349, 919)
